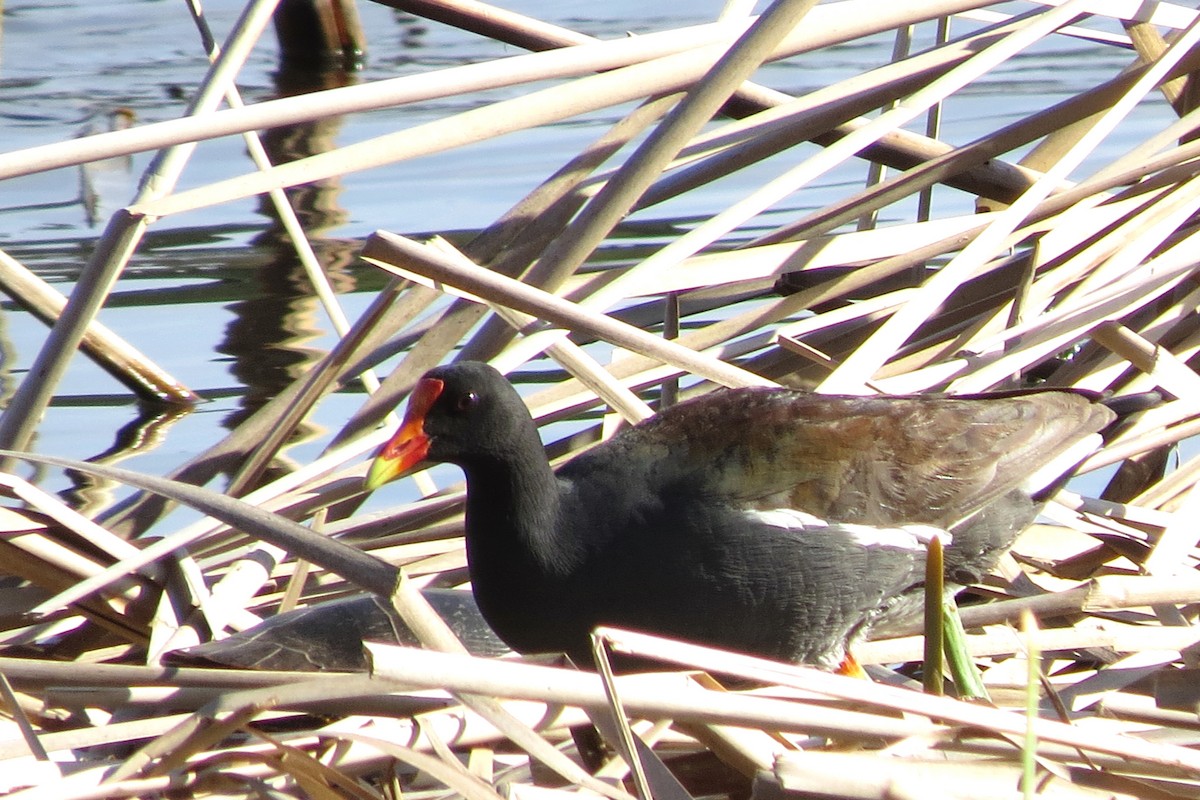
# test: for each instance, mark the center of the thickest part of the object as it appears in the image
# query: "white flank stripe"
(908, 537)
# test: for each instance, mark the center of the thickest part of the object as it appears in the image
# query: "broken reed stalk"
(119, 241)
(869, 357)
(346, 100)
(897, 699)
(536, 221)
(389, 251)
(828, 158)
(562, 263)
(111, 353)
(677, 70)
(672, 697)
(621, 192)
(831, 111)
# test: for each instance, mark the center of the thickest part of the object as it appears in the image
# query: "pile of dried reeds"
(1059, 279)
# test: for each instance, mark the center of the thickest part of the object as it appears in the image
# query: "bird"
(769, 521)
(101, 183)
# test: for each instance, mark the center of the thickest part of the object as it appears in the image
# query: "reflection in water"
(108, 184)
(276, 317)
(413, 29)
(269, 335)
(89, 493)
(315, 203)
(8, 362)
(271, 328)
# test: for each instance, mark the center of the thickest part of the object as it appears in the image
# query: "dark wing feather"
(874, 460)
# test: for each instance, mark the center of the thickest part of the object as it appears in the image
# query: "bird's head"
(460, 414)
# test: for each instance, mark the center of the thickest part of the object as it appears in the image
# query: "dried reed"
(1065, 276)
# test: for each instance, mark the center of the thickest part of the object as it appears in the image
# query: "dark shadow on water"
(267, 339)
(146, 432)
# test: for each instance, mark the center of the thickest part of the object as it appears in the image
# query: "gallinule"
(768, 521)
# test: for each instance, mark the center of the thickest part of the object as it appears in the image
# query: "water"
(213, 299)
(250, 325)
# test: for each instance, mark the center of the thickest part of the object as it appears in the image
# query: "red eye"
(466, 401)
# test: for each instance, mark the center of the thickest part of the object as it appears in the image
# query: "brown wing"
(927, 459)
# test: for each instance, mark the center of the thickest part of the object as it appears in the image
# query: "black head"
(466, 414)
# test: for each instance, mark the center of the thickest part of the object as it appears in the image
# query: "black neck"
(519, 561)
(514, 503)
